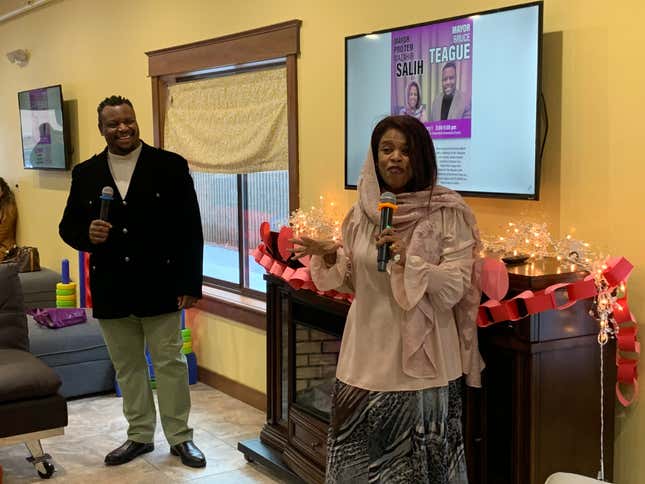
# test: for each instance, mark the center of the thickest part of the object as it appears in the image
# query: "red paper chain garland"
(524, 304)
(617, 271)
(297, 278)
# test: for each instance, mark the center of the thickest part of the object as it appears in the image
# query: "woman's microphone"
(387, 207)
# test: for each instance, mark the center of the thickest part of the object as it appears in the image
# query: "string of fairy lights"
(317, 222)
(530, 239)
(534, 240)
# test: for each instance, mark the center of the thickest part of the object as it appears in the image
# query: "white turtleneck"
(122, 168)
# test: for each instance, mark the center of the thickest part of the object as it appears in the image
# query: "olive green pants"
(126, 339)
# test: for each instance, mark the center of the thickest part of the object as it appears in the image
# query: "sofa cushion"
(39, 288)
(13, 323)
(24, 376)
(65, 346)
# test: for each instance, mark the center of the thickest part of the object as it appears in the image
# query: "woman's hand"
(397, 246)
(307, 246)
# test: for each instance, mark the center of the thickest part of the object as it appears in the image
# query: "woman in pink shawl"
(410, 340)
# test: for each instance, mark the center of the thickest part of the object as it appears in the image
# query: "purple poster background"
(38, 99)
(419, 81)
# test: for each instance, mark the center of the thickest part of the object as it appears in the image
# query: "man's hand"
(186, 302)
(99, 231)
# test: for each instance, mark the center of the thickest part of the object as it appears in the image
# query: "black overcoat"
(155, 248)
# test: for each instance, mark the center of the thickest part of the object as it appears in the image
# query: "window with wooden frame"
(233, 200)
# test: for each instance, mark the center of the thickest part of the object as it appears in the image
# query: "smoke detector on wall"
(19, 57)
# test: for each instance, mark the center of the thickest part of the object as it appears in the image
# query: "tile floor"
(96, 426)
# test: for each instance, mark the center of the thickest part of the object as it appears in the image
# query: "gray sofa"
(31, 408)
(76, 353)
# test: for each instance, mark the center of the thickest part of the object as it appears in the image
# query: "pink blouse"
(371, 355)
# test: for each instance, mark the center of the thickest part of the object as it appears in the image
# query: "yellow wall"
(229, 348)
(592, 81)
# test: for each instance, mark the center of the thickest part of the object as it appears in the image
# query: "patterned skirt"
(396, 437)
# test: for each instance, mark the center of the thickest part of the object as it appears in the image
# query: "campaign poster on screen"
(432, 76)
(41, 121)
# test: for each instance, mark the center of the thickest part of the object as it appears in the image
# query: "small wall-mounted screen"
(43, 128)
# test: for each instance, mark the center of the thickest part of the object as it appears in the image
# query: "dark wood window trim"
(265, 43)
(271, 42)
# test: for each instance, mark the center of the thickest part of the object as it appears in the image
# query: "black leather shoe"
(190, 455)
(128, 451)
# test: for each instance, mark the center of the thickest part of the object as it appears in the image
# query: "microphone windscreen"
(388, 197)
(107, 193)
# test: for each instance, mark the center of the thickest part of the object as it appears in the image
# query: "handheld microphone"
(107, 195)
(387, 207)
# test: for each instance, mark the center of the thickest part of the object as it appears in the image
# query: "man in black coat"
(145, 267)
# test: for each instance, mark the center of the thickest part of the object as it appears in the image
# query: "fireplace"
(316, 356)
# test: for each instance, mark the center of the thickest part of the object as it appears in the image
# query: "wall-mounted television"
(42, 127)
(473, 80)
